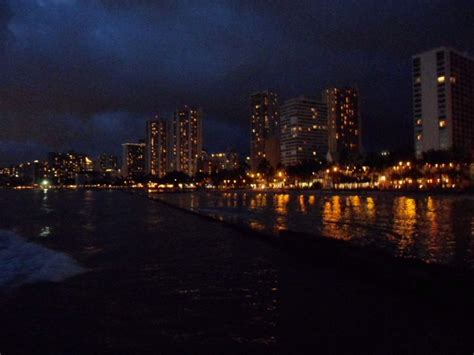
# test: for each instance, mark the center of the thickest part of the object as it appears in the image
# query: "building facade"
(304, 135)
(63, 167)
(133, 160)
(186, 144)
(344, 128)
(212, 163)
(107, 163)
(443, 101)
(265, 129)
(156, 147)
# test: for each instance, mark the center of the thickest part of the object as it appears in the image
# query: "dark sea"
(82, 270)
(97, 271)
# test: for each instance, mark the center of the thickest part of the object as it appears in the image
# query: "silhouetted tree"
(306, 168)
(175, 177)
(265, 168)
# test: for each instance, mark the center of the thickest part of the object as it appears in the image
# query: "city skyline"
(298, 130)
(243, 177)
(107, 83)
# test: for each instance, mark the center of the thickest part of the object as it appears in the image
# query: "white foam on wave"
(23, 262)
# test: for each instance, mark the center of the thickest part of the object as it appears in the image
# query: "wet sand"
(178, 283)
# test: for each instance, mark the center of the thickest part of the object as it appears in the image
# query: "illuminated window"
(418, 79)
(418, 137)
(441, 79)
(419, 122)
(442, 123)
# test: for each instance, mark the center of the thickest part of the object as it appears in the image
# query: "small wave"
(22, 262)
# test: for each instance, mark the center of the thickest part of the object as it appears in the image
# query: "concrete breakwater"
(370, 262)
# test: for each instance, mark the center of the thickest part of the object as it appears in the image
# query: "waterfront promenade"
(164, 281)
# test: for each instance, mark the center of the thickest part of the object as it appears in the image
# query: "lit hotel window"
(442, 123)
(441, 79)
(418, 137)
(418, 122)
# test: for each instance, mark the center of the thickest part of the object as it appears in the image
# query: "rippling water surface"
(150, 276)
(434, 228)
(157, 277)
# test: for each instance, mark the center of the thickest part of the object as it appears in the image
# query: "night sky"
(87, 74)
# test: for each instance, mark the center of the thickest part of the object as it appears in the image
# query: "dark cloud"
(86, 74)
(21, 150)
(5, 16)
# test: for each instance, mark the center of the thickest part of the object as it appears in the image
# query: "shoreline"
(416, 192)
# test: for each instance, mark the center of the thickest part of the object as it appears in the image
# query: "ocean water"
(436, 228)
(155, 276)
(160, 280)
(23, 262)
(47, 236)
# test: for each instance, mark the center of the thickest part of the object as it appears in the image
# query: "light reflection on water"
(435, 228)
(281, 207)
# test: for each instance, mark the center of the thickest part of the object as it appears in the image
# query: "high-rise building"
(443, 101)
(63, 167)
(133, 160)
(265, 129)
(107, 163)
(216, 162)
(186, 145)
(156, 147)
(344, 129)
(304, 135)
(86, 164)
